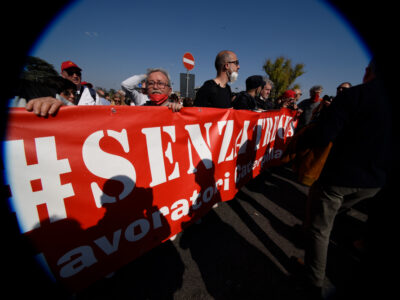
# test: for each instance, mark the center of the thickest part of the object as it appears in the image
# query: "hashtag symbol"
(33, 185)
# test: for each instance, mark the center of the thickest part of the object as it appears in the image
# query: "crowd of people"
(353, 121)
(154, 88)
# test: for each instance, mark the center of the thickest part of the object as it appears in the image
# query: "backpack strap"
(92, 93)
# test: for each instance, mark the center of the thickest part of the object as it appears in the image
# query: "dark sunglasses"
(236, 62)
(71, 72)
(339, 88)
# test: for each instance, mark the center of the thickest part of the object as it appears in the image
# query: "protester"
(327, 100)
(217, 92)
(287, 100)
(320, 109)
(247, 99)
(63, 88)
(308, 105)
(85, 95)
(123, 96)
(117, 99)
(130, 86)
(298, 94)
(342, 87)
(158, 84)
(354, 122)
(263, 101)
(67, 90)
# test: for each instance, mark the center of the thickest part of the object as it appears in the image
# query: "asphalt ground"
(242, 249)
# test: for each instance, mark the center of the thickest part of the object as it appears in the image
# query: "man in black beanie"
(247, 99)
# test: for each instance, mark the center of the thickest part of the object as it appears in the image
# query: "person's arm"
(129, 84)
(44, 106)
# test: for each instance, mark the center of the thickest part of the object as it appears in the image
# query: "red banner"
(96, 187)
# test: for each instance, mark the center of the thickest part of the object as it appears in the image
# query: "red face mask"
(316, 97)
(158, 99)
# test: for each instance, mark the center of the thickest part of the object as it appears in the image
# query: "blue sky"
(112, 40)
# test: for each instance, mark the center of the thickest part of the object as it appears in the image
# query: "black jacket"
(244, 101)
(359, 123)
(265, 104)
(213, 95)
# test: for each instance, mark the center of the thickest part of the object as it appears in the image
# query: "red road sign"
(188, 61)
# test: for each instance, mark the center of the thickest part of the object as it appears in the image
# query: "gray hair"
(316, 88)
(165, 72)
(268, 81)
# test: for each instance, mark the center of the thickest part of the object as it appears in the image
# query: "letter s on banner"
(113, 166)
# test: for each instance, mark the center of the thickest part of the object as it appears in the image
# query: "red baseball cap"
(88, 84)
(289, 94)
(69, 64)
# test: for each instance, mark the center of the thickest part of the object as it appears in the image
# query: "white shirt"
(87, 99)
(129, 84)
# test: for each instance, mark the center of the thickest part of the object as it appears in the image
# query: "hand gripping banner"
(93, 188)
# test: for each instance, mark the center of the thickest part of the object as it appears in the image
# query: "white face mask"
(233, 76)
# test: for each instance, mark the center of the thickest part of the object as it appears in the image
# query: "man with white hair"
(263, 100)
(158, 86)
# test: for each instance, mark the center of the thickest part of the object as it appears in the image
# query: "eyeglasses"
(160, 84)
(339, 88)
(236, 62)
(71, 72)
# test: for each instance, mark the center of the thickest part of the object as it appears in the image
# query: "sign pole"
(187, 83)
